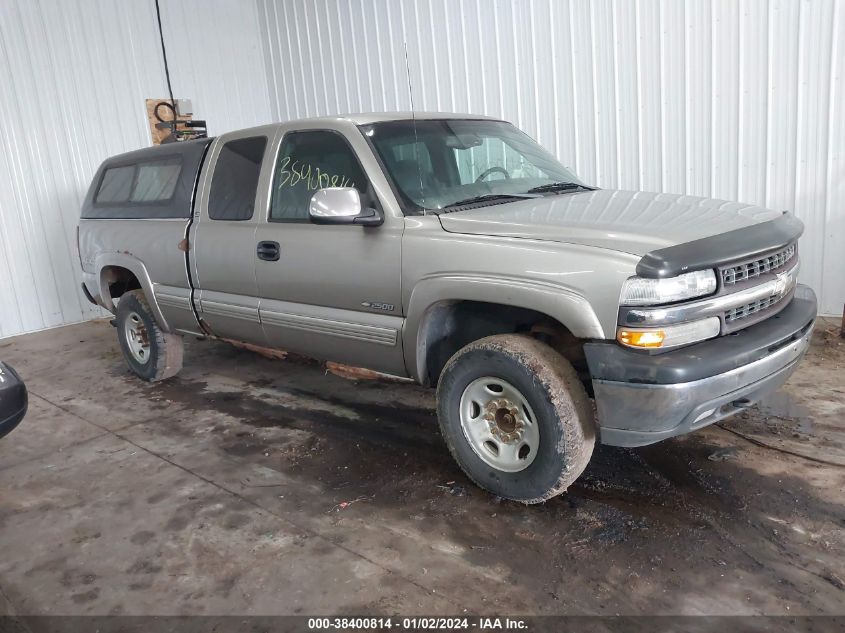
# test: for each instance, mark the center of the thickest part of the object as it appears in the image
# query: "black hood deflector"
(719, 250)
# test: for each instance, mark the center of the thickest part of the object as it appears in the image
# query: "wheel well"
(451, 325)
(119, 280)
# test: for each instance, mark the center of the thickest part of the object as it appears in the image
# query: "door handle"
(268, 251)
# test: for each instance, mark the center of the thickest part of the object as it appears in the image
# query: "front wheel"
(516, 417)
(150, 352)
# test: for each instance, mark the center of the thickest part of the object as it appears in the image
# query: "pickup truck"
(454, 250)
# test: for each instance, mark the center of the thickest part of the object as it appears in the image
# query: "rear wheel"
(516, 417)
(149, 351)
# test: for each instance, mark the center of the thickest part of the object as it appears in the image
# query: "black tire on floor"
(555, 394)
(164, 358)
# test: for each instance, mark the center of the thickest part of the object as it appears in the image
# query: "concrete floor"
(249, 485)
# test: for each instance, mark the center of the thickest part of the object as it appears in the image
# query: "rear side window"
(156, 181)
(116, 184)
(235, 179)
(146, 182)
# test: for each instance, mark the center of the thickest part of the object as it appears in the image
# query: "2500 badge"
(376, 305)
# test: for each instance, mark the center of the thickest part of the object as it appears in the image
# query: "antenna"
(414, 122)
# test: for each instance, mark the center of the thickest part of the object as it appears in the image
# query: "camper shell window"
(156, 182)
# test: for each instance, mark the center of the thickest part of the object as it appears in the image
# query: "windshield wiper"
(559, 186)
(488, 197)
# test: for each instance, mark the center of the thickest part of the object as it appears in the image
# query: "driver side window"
(309, 161)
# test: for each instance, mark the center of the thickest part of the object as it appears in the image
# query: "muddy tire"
(516, 417)
(150, 352)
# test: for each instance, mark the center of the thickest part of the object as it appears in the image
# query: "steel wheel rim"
(137, 338)
(499, 424)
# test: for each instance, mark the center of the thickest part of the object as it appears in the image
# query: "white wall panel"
(216, 60)
(740, 100)
(736, 100)
(650, 102)
(73, 79)
(833, 239)
(813, 142)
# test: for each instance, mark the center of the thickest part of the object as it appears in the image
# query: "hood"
(629, 221)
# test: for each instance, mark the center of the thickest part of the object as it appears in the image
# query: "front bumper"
(13, 399)
(644, 398)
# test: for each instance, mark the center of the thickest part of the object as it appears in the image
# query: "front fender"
(137, 268)
(558, 302)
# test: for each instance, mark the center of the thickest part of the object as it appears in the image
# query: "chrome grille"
(740, 312)
(748, 270)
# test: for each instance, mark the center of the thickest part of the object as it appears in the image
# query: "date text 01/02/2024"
(418, 623)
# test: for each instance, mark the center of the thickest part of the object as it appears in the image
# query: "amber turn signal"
(647, 339)
(670, 336)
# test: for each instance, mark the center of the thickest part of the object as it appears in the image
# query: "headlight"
(639, 291)
(669, 335)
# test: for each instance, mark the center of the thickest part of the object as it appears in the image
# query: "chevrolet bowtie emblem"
(783, 284)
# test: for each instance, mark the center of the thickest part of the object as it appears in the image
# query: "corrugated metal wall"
(742, 100)
(73, 78)
(737, 100)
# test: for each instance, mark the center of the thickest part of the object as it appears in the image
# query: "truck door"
(329, 291)
(222, 243)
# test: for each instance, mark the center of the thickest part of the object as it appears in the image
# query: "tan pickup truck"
(454, 250)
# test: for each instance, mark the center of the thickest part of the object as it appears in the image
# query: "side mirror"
(341, 205)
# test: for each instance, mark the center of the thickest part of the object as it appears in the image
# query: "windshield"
(449, 163)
